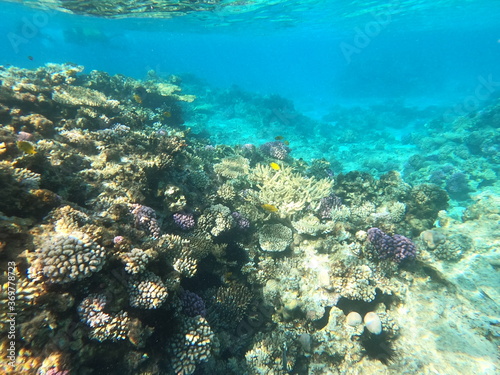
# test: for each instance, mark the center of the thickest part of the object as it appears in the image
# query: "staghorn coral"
(147, 291)
(274, 237)
(65, 257)
(289, 192)
(233, 167)
(191, 346)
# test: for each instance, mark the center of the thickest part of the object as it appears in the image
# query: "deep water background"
(429, 54)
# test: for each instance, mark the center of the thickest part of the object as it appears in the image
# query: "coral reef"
(68, 257)
(274, 237)
(147, 291)
(191, 346)
(138, 248)
(396, 247)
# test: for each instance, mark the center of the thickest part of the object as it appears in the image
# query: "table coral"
(275, 237)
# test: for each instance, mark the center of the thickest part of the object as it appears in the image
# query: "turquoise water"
(241, 151)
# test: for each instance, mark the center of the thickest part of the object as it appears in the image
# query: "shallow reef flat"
(131, 245)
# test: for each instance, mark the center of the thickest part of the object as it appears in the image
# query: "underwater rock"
(373, 323)
(432, 238)
(353, 319)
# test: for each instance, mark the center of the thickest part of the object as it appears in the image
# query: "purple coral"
(183, 220)
(241, 221)
(192, 304)
(275, 149)
(457, 184)
(145, 219)
(327, 204)
(398, 248)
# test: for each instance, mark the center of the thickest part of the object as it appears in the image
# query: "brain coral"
(67, 257)
(275, 237)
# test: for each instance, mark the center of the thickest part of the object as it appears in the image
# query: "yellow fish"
(167, 114)
(279, 137)
(269, 208)
(26, 147)
(275, 166)
(286, 143)
(138, 98)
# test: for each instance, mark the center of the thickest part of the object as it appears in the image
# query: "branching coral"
(232, 167)
(288, 191)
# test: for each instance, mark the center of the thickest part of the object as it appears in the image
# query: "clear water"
(370, 86)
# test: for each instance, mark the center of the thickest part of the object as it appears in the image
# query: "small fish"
(167, 114)
(269, 208)
(275, 166)
(30, 58)
(26, 147)
(138, 98)
(279, 137)
(286, 143)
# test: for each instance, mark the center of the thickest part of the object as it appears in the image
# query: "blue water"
(420, 51)
(411, 86)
